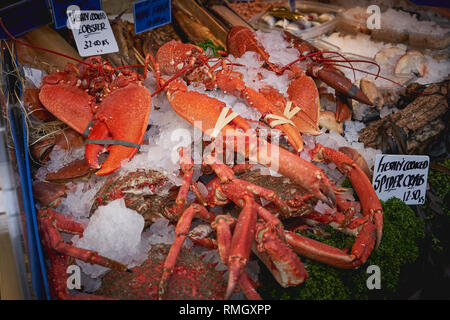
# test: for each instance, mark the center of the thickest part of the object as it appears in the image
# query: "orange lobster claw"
(304, 94)
(338, 81)
(68, 103)
(122, 117)
(111, 113)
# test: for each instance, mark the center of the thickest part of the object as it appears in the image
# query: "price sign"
(59, 9)
(401, 176)
(150, 14)
(92, 32)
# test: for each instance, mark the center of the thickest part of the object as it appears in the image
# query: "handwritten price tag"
(150, 14)
(401, 176)
(92, 32)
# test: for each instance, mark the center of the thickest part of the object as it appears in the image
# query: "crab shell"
(139, 190)
(192, 279)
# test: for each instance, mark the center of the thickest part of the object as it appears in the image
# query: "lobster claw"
(338, 81)
(120, 124)
(344, 109)
(68, 103)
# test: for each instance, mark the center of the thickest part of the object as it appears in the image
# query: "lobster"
(132, 188)
(110, 110)
(241, 39)
(176, 58)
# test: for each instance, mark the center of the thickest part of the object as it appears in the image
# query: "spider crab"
(193, 278)
(255, 226)
(141, 190)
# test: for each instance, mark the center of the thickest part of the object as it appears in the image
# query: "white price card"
(34, 75)
(401, 176)
(92, 32)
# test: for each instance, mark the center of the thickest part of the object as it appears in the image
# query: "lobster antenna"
(312, 55)
(384, 78)
(351, 60)
(39, 48)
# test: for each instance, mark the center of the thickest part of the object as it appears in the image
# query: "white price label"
(401, 176)
(34, 75)
(92, 32)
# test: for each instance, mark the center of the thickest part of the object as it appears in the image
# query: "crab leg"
(371, 206)
(181, 232)
(58, 279)
(193, 106)
(279, 258)
(184, 222)
(223, 224)
(271, 245)
(51, 220)
(316, 250)
(241, 243)
(321, 252)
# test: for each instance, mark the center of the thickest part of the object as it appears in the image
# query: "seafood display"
(182, 165)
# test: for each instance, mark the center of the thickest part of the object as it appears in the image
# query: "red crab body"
(192, 279)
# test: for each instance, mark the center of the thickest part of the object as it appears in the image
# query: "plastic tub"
(389, 35)
(429, 40)
(305, 6)
(354, 21)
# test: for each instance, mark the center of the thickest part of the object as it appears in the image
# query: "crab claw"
(279, 258)
(120, 124)
(370, 203)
